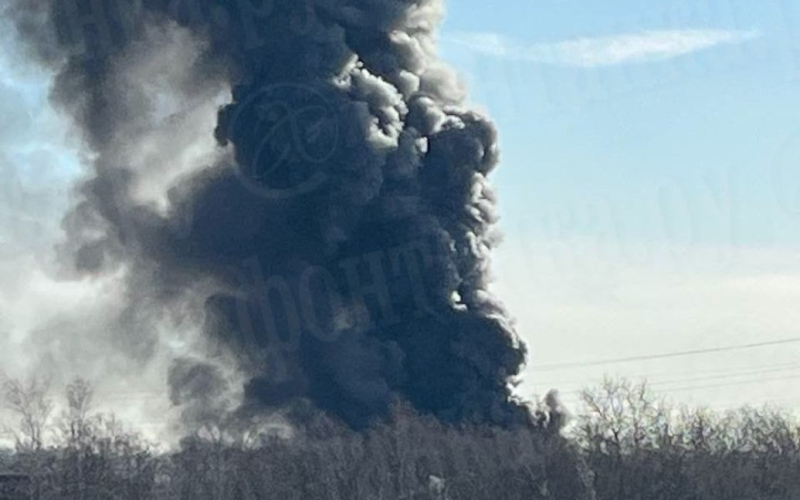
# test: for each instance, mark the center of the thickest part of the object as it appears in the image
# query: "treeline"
(639, 447)
(624, 444)
(81, 455)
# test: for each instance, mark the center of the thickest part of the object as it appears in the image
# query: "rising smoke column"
(339, 241)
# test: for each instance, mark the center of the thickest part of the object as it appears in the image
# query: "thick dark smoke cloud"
(339, 246)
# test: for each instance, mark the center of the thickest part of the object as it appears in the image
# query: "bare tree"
(31, 403)
(76, 423)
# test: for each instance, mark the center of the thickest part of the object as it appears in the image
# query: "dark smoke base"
(404, 164)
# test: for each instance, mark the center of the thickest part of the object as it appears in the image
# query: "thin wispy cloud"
(594, 52)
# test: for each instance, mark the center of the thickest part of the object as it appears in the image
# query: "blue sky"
(649, 188)
(612, 131)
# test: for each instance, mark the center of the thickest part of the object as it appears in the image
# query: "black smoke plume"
(339, 247)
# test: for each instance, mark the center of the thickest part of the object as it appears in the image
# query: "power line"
(663, 385)
(730, 384)
(576, 393)
(653, 378)
(695, 352)
(743, 373)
